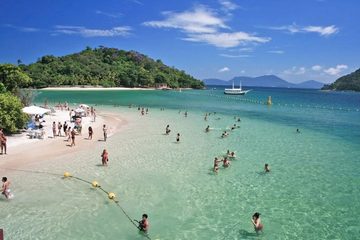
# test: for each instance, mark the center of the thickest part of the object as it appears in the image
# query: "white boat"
(236, 91)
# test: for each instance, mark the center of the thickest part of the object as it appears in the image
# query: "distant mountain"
(347, 82)
(264, 81)
(310, 84)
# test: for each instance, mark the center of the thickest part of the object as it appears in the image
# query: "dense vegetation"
(347, 82)
(108, 67)
(11, 79)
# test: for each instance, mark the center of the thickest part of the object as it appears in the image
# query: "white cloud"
(199, 20)
(335, 70)
(295, 71)
(316, 67)
(224, 69)
(22, 29)
(276, 51)
(112, 15)
(234, 56)
(294, 28)
(202, 24)
(228, 5)
(226, 40)
(88, 32)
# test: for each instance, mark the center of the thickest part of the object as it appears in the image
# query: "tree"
(12, 77)
(11, 116)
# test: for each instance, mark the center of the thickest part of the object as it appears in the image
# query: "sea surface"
(312, 191)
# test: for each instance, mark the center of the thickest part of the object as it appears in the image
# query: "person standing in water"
(178, 137)
(207, 129)
(267, 168)
(5, 188)
(144, 223)
(90, 130)
(257, 222)
(167, 130)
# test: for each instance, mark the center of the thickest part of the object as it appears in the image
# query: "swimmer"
(266, 168)
(185, 114)
(5, 188)
(257, 222)
(207, 129)
(231, 155)
(226, 162)
(228, 152)
(297, 130)
(144, 223)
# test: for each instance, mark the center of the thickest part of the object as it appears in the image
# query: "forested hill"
(108, 67)
(347, 82)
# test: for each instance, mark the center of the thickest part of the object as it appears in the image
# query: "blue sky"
(297, 40)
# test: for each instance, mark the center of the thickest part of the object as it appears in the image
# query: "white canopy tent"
(33, 110)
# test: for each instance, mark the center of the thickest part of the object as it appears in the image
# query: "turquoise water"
(312, 191)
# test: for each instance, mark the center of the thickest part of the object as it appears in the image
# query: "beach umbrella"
(84, 106)
(79, 110)
(33, 110)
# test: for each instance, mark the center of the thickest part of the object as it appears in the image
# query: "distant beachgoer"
(72, 137)
(54, 129)
(94, 115)
(207, 129)
(105, 132)
(3, 141)
(228, 152)
(144, 223)
(104, 157)
(186, 114)
(59, 128)
(90, 130)
(142, 111)
(257, 222)
(297, 130)
(206, 115)
(167, 130)
(225, 134)
(68, 132)
(178, 137)
(147, 110)
(5, 188)
(267, 168)
(216, 165)
(65, 127)
(239, 120)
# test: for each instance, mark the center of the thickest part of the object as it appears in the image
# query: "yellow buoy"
(95, 184)
(111, 195)
(67, 174)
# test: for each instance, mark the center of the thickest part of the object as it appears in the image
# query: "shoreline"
(93, 88)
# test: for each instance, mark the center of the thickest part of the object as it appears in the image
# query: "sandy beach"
(23, 150)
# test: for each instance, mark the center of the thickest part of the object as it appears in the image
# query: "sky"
(297, 40)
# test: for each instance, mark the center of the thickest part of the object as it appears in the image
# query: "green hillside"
(108, 67)
(347, 82)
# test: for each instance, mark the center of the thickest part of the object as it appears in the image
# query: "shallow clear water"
(312, 192)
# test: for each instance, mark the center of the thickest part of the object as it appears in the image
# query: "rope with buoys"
(94, 184)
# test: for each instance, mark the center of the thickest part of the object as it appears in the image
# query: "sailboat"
(235, 91)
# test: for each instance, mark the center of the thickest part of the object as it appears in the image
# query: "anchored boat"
(236, 91)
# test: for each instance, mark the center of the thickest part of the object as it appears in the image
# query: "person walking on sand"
(54, 129)
(90, 130)
(104, 157)
(105, 132)
(59, 128)
(72, 137)
(2, 142)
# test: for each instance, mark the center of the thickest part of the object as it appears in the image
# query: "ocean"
(312, 191)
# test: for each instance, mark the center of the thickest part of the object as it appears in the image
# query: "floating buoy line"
(94, 184)
(269, 102)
